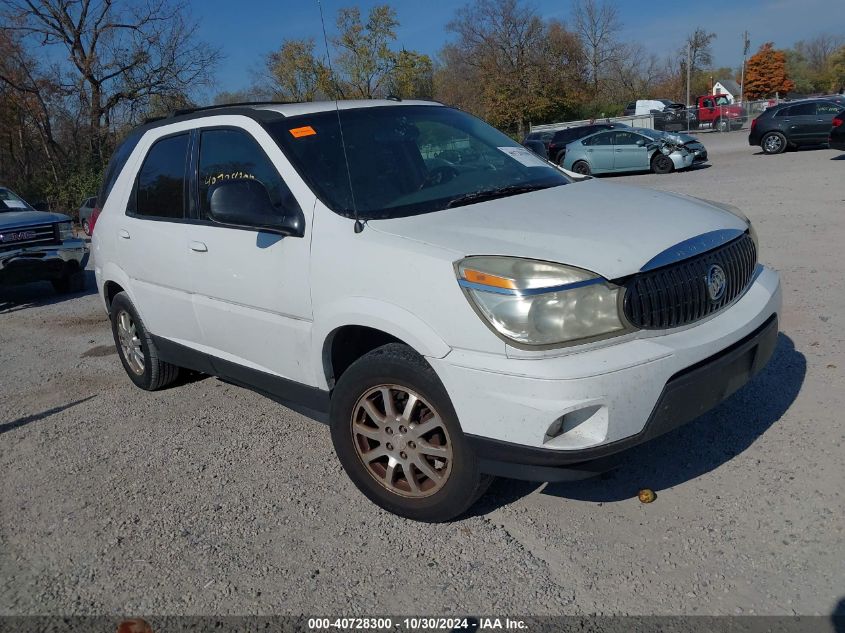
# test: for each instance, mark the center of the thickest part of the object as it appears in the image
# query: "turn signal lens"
(486, 279)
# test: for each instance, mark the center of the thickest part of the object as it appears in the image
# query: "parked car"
(691, 143)
(38, 246)
(452, 322)
(538, 147)
(836, 140)
(666, 114)
(792, 124)
(556, 148)
(720, 113)
(543, 136)
(631, 149)
(86, 209)
(675, 117)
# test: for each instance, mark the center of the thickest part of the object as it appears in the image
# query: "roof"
(730, 85)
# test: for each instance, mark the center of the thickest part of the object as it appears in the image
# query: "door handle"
(199, 247)
(619, 150)
(124, 234)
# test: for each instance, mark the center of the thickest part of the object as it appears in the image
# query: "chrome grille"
(25, 236)
(677, 294)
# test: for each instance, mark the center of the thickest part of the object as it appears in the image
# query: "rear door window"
(160, 188)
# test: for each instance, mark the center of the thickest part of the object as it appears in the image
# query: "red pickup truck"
(718, 112)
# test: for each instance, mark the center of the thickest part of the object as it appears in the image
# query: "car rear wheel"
(582, 167)
(662, 164)
(773, 143)
(138, 353)
(398, 438)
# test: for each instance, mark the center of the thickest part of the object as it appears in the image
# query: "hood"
(609, 229)
(14, 219)
(682, 138)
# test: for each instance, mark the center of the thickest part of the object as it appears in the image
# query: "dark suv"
(793, 124)
(557, 141)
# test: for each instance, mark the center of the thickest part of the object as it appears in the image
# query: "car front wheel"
(773, 143)
(662, 164)
(397, 436)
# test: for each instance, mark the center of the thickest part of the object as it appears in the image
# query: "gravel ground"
(209, 499)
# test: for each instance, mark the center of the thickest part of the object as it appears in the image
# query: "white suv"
(455, 307)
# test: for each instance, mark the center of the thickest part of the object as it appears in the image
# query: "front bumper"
(566, 416)
(42, 263)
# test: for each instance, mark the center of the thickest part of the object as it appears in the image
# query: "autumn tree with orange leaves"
(765, 73)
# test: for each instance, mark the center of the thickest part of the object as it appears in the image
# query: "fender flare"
(378, 315)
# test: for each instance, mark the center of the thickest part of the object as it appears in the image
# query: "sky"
(247, 31)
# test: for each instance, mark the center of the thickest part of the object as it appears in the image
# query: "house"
(727, 87)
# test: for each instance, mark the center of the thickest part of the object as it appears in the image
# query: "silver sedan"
(633, 149)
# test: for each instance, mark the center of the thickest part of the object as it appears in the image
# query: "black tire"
(662, 164)
(582, 167)
(773, 143)
(156, 373)
(560, 158)
(398, 365)
(70, 282)
(86, 228)
(721, 125)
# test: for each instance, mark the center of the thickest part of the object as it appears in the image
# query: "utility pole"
(746, 44)
(689, 53)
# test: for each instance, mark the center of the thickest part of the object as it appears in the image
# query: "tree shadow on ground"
(35, 417)
(15, 298)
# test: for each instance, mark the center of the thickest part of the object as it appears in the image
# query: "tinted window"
(803, 109)
(235, 155)
(161, 181)
(600, 139)
(115, 166)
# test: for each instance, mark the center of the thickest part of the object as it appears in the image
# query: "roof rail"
(239, 104)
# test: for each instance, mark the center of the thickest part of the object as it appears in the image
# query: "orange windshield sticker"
(299, 132)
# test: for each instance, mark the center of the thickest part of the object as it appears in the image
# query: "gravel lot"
(209, 499)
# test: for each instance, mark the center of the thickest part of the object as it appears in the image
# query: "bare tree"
(818, 50)
(597, 24)
(507, 64)
(700, 53)
(120, 51)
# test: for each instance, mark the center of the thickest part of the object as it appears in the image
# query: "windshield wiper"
(492, 194)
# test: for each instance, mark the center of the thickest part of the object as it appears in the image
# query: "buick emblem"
(716, 281)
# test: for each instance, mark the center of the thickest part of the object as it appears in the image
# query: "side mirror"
(641, 143)
(247, 204)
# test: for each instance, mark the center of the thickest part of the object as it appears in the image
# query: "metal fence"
(723, 118)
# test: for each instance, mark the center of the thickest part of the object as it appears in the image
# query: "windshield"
(407, 160)
(10, 201)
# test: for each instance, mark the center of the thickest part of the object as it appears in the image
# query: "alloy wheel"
(773, 143)
(130, 343)
(401, 441)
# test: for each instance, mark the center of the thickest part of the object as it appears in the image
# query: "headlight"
(534, 303)
(65, 231)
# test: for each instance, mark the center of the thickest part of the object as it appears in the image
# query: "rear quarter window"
(160, 186)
